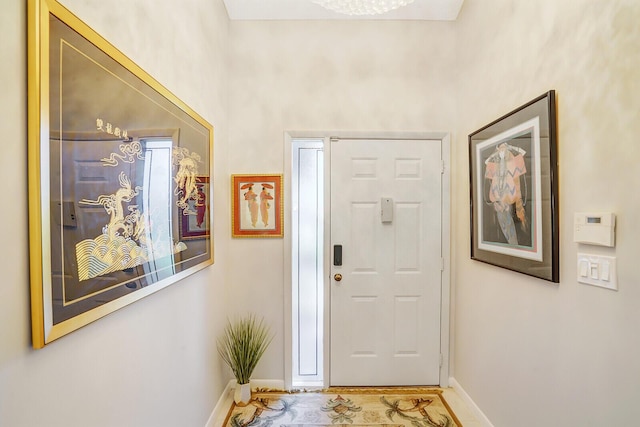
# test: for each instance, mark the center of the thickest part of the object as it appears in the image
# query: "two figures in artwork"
(127, 239)
(254, 206)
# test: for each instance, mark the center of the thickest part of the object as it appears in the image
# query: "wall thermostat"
(594, 228)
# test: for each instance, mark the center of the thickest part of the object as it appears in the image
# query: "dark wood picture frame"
(514, 190)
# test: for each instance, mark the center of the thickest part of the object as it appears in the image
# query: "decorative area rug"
(338, 407)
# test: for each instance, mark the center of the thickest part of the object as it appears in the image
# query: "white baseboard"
(226, 399)
(222, 407)
(477, 412)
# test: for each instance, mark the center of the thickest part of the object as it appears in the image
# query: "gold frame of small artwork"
(171, 143)
(264, 214)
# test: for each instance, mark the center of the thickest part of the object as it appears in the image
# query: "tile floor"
(460, 408)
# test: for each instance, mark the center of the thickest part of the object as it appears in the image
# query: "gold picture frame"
(114, 160)
(259, 212)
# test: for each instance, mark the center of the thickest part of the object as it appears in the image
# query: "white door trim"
(446, 255)
(445, 309)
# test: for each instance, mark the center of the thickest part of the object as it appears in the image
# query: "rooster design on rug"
(341, 410)
(419, 405)
(263, 405)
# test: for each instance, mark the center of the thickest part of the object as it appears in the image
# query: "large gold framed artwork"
(116, 162)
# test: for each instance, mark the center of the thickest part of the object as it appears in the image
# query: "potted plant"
(241, 347)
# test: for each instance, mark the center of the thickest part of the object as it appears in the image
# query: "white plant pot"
(242, 394)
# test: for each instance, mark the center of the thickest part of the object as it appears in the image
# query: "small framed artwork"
(514, 190)
(116, 164)
(195, 214)
(257, 204)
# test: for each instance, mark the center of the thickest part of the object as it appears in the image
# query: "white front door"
(385, 310)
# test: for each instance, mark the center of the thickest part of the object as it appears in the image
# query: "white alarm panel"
(595, 228)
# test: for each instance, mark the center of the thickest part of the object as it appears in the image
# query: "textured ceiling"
(422, 10)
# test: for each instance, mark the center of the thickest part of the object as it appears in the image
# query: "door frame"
(445, 302)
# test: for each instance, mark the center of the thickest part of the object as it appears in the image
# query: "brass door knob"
(337, 277)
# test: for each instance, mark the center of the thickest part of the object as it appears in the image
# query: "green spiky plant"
(243, 344)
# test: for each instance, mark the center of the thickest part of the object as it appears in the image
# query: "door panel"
(385, 312)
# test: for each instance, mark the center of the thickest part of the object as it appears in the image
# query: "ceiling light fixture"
(362, 7)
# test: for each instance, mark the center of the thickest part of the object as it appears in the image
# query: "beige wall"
(323, 76)
(152, 363)
(529, 352)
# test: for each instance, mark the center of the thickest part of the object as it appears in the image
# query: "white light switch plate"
(600, 271)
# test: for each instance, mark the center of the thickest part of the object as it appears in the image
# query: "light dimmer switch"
(605, 271)
(597, 270)
(584, 268)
